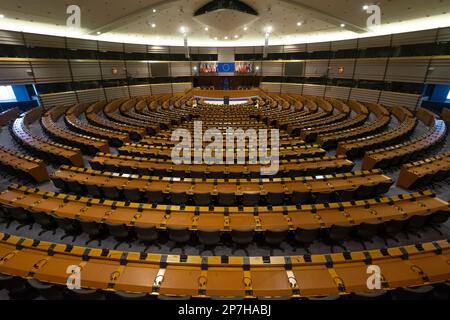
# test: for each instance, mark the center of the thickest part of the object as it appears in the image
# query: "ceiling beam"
(324, 16)
(132, 17)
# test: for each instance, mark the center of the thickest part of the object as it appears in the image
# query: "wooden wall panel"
(364, 95)
(291, 88)
(407, 70)
(316, 68)
(93, 95)
(85, 70)
(57, 99)
(337, 92)
(370, 69)
(313, 89)
(140, 90)
(399, 99)
(347, 64)
(137, 69)
(51, 71)
(117, 92)
(18, 72)
(270, 68)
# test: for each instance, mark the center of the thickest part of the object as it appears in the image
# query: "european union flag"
(225, 67)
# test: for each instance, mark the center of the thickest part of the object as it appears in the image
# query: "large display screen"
(207, 67)
(225, 67)
(244, 67)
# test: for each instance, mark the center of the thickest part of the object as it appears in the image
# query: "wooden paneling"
(81, 44)
(135, 48)
(93, 95)
(137, 69)
(117, 92)
(157, 49)
(337, 92)
(291, 88)
(426, 36)
(370, 69)
(85, 70)
(180, 69)
(316, 68)
(439, 71)
(11, 38)
(140, 90)
(51, 71)
(365, 95)
(270, 68)
(181, 87)
(271, 87)
(374, 42)
(295, 48)
(407, 70)
(107, 69)
(313, 89)
(38, 40)
(110, 46)
(348, 66)
(18, 72)
(399, 99)
(344, 45)
(320, 46)
(57, 99)
(161, 88)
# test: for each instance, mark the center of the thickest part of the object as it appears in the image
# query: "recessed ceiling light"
(153, 25)
(245, 28)
(154, 10)
(299, 24)
(226, 37)
(206, 28)
(236, 36)
(183, 29)
(365, 7)
(342, 25)
(98, 32)
(215, 38)
(2, 16)
(268, 29)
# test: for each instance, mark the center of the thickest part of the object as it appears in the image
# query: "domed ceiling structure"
(223, 22)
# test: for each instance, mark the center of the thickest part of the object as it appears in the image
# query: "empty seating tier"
(110, 112)
(8, 115)
(361, 184)
(124, 220)
(135, 132)
(23, 165)
(398, 154)
(358, 147)
(196, 276)
(86, 143)
(142, 150)
(166, 168)
(72, 120)
(424, 172)
(120, 186)
(328, 140)
(42, 147)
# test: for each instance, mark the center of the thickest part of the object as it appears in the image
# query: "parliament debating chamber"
(354, 98)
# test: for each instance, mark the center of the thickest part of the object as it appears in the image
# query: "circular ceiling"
(221, 24)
